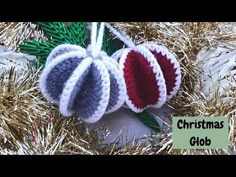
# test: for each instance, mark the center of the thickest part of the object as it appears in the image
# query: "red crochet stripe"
(142, 87)
(168, 71)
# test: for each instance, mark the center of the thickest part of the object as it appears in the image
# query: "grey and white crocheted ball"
(82, 85)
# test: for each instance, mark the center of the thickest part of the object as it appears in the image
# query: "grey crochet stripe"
(87, 101)
(78, 87)
(59, 75)
(62, 51)
(114, 92)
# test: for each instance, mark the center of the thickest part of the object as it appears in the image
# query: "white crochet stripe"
(158, 75)
(105, 93)
(117, 54)
(70, 84)
(165, 52)
(121, 84)
(111, 60)
(67, 47)
(102, 54)
(50, 66)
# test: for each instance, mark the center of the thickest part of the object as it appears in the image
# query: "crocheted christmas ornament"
(147, 66)
(83, 81)
(144, 80)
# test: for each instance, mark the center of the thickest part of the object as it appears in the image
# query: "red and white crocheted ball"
(152, 75)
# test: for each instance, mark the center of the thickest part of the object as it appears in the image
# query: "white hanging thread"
(96, 41)
(93, 35)
(126, 39)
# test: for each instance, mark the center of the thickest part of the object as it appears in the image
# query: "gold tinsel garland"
(26, 128)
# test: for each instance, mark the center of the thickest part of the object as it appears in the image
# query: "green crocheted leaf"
(149, 120)
(37, 48)
(57, 31)
(79, 31)
(60, 33)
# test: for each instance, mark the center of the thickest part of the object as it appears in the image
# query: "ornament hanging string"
(124, 38)
(96, 40)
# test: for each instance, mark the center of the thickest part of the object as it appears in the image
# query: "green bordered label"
(200, 132)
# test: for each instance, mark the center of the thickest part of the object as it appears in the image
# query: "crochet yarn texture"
(85, 82)
(152, 73)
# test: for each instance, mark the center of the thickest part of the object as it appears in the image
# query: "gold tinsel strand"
(36, 127)
(13, 33)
